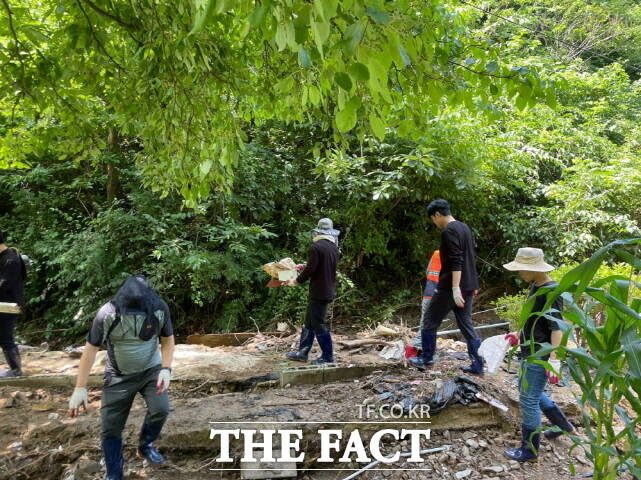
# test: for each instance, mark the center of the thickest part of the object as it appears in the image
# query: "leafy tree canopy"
(185, 78)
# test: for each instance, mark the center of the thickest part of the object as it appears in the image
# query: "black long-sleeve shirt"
(458, 253)
(11, 277)
(321, 270)
(540, 328)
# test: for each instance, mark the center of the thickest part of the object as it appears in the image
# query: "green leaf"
(377, 15)
(377, 125)
(205, 167)
(353, 37)
(204, 11)
(632, 346)
(326, 8)
(257, 17)
(492, 67)
(34, 35)
(314, 95)
(321, 34)
(346, 118)
(343, 81)
(358, 71)
(303, 58)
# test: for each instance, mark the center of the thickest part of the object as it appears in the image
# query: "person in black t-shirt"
(12, 278)
(538, 329)
(457, 285)
(321, 273)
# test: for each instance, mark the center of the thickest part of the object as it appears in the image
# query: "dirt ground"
(236, 384)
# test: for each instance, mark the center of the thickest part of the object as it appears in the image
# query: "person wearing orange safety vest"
(431, 280)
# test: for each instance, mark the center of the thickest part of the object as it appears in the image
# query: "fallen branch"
(360, 343)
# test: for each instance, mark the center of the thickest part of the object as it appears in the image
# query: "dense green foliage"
(184, 78)
(100, 159)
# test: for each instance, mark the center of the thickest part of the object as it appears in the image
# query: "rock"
(446, 435)
(467, 435)
(493, 469)
(472, 444)
(15, 446)
(482, 444)
(465, 452)
(514, 465)
(53, 416)
(462, 466)
(6, 402)
(21, 396)
(463, 474)
(87, 467)
(443, 458)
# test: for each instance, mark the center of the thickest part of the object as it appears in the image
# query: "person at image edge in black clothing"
(12, 278)
(321, 273)
(456, 288)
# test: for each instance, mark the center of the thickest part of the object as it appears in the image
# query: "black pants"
(443, 303)
(118, 394)
(7, 327)
(316, 318)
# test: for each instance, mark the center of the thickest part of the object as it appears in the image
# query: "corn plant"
(608, 367)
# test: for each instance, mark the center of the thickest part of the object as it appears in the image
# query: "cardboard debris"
(9, 307)
(273, 268)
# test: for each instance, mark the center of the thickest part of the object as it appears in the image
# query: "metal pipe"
(475, 313)
(406, 454)
(480, 327)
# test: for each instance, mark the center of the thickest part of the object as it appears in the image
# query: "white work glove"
(555, 375)
(78, 399)
(164, 379)
(458, 297)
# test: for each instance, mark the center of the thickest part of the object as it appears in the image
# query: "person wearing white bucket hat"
(538, 329)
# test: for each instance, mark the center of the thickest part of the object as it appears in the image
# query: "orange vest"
(434, 267)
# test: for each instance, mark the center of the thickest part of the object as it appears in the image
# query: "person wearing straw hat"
(320, 270)
(538, 329)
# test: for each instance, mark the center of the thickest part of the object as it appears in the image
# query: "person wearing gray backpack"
(131, 326)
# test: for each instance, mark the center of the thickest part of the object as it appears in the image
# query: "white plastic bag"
(493, 350)
(393, 352)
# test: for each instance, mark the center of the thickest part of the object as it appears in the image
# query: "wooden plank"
(226, 339)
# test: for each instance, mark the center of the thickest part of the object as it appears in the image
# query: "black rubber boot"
(12, 355)
(305, 345)
(526, 452)
(477, 361)
(327, 349)
(114, 461)
(428, 342)
(146, 449)
(556, 416)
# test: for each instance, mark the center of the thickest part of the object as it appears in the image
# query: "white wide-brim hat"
(529, 259)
